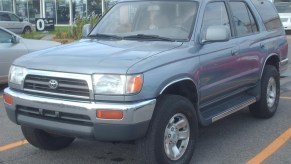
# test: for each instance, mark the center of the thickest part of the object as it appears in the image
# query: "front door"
(218, 60)
(16, 24)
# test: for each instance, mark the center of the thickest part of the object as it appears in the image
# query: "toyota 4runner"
(151, 71)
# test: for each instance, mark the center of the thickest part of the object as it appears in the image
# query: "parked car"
(13, 46)
(151, 71)
(284, 10)
(13, 23)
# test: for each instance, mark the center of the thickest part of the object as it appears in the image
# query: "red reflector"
(109, 114)
(8, 99)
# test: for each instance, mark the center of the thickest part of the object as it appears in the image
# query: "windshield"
(283, 8)
(149, 20)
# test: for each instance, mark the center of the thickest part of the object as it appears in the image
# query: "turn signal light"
(109, 114)
(8, 99)
(134, 84)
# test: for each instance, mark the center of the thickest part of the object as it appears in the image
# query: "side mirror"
(86, 30)
(217, 33)
(20, 19)
(14, 39)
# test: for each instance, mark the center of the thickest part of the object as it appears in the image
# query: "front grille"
(66, 87)
(64, 117)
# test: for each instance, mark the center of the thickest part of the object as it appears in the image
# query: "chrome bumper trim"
(135, 112)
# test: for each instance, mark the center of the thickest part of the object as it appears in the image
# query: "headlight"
(117, 84)
(17, 74)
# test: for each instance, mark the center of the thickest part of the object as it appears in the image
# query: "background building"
(63, 11)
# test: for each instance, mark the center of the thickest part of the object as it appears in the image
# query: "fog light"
(8, 99)
(109, 114)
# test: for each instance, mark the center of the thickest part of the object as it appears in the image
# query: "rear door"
(248, 38)
(5, 21)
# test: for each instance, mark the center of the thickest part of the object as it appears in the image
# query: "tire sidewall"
(184, 107)
(44, 140)
(270, 72)
(26, 30)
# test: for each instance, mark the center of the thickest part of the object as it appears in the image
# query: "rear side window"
(269, 14)
(4, 17)
(243, 19)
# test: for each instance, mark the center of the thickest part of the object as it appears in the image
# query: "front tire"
(26, 30)
(45, 140)
(172, 134)
(270, 93)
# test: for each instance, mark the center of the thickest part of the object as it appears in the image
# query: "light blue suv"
(151, 71)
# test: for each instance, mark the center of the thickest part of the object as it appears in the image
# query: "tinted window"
(243, 19)
(4, 17)
(268, 13)
(215, 14)
(5, 37)
(13, 17)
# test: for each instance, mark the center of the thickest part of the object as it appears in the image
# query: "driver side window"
(4, 17)
(5, 37)
(215, 14)
(13, 17)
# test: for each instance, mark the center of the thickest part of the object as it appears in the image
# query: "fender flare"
(270, 55)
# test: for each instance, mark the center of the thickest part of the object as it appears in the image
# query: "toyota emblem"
(53, 84)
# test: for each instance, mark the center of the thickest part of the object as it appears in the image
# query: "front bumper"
(78, 119)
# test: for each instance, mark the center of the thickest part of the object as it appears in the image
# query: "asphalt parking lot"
(239, 138)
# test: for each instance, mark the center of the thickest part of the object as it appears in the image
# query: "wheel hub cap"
(176, 137)
(271, 92)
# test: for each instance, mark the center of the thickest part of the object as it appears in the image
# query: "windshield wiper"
(151, 37)
(105, 36)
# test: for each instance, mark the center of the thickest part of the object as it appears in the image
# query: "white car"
(13, 46)
(284, 10)
(13, 23)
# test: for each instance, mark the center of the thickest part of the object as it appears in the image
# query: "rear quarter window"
(268, 14)
(4, 17)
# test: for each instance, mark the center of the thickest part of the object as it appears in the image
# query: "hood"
(92, 56)
(34, 45)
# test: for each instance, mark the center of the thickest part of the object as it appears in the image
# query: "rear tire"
(266, 107)
(172, 134)
(45, 140)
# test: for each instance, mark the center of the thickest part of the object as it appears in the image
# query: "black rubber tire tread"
(150, 149)
(44, 140)
(27, 28)
(260, 109)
